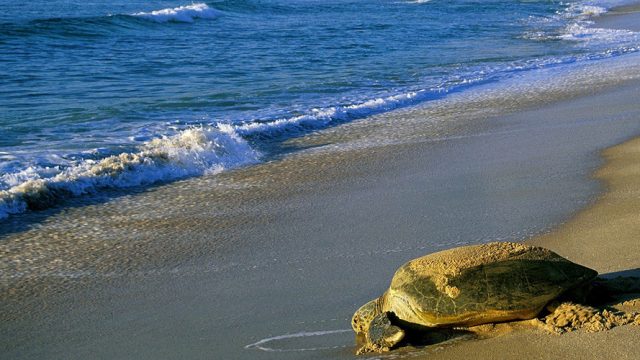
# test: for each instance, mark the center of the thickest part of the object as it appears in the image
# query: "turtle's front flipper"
(382, 335)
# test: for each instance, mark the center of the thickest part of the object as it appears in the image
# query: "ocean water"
(116, 94)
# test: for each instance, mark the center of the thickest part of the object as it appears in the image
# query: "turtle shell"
(479, 284)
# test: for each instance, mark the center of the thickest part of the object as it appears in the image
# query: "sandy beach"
(271, 261)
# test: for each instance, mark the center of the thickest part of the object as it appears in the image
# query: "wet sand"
(280, 255)
(621, 18)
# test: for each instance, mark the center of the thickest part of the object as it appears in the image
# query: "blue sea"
(117, 94)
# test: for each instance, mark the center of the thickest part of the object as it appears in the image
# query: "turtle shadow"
(417, 336)
(419, 339)
(623, 273)
(431, 337)
(610, 288)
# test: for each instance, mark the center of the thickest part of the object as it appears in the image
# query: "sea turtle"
(467, 286)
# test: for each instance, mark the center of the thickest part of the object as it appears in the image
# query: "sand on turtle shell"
(448, 264)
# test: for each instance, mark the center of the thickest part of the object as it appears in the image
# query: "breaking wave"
(192, 152)
(186, 13)
(103, 25)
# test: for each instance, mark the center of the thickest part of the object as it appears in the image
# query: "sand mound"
(570, 317)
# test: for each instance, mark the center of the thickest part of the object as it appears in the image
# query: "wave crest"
(186, 13)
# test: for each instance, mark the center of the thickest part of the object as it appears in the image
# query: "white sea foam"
(585, 10)
(192, 152)
(265, 344)
(581, 27)
(319, 118)
(581, 32)
(577, 24)
(186, 13)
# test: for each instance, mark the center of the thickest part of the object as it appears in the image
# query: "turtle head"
(362, 318)
(382, 335)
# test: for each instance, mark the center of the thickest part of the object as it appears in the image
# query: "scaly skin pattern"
(382, 335)
(363, 316)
